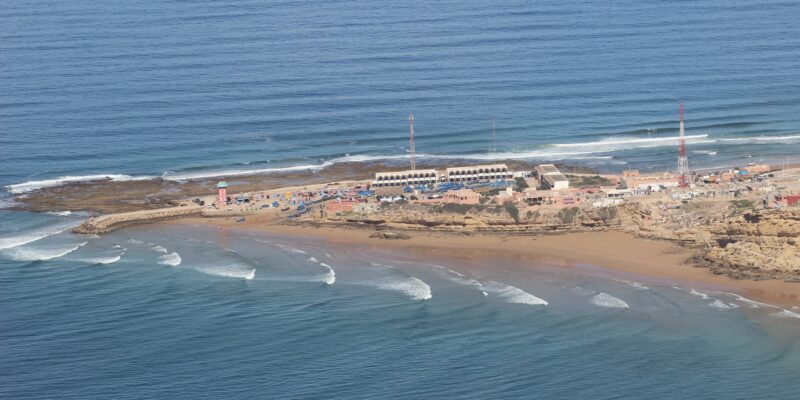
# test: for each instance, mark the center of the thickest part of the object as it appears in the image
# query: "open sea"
(183, 89)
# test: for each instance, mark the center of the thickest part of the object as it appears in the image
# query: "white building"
(405, 178)
(492, 172)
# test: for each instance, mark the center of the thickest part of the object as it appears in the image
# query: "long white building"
(491, 172)
(473, 173)
(405, 178)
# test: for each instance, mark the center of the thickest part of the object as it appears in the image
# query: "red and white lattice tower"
(683, 159)
(411, 147)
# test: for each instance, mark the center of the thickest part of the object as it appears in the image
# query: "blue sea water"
(141, 89)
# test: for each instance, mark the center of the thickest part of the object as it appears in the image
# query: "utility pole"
(411, 142)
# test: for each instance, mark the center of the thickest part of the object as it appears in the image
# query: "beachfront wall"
(405, 178)
(478, 173)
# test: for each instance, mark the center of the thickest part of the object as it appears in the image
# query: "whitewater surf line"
(552, 151)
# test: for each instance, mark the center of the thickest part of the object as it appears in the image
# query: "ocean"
(144, 89)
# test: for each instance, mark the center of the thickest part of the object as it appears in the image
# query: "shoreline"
(610, 254)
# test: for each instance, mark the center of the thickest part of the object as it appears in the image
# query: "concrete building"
(405, 178)
(650, 182)
(478, 173)
(461, 196)
(550, 178)
(554, 182)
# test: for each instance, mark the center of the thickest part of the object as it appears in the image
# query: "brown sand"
(616, 254)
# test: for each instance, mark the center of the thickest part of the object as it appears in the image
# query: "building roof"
(552, 178)
(547, 169)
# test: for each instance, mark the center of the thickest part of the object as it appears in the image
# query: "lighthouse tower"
(223, 193)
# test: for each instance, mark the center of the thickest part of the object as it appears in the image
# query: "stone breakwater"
(112, 222)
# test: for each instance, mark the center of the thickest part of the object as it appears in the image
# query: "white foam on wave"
(513, 294)
(104, 260)
(289, 248)
(752, 303)
(635, 285)
(228, 272)
(616, 143)
(786, 314)
(29, 186)
(172, 259)
(411, 286)
(606, 300)
(699, 294)
(160, 249)
(330, 277)
(30, 253)
(762, 139)
(720, 304)
(25, 237)
(60, 213)
(184, 176)
(312, 259)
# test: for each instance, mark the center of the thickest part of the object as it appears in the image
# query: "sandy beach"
(609, 253)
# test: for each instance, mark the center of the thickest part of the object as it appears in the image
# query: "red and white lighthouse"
(223, 193)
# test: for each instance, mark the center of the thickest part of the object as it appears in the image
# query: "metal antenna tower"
(683, 159)
(494, 138)
(411, 142)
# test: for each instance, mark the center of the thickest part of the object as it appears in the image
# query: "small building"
(755, 169)
(617, 193)
(554, 182)
(789, 200)
(546, 169)
(340, 207)
(461, 196)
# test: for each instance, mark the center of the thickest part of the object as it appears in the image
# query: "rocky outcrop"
(757, 245)
(485, 218)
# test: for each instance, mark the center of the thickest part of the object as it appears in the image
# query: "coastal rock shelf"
(112, 222)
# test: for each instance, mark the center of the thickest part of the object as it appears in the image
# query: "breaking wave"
(411, 286)
(160, 249)
(552, 152)
(26, 237)
(289, 248)
(41, 184)
(104, 260)
(228, 272)
(786, 314)
(330, 277)
(27, 253)
(172, 259)
(609, 301)
(512, 294)
(720, 304)
(635, 285)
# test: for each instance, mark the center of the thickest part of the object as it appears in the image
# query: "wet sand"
(610, 253)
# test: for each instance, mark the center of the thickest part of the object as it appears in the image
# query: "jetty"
(111, 222)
